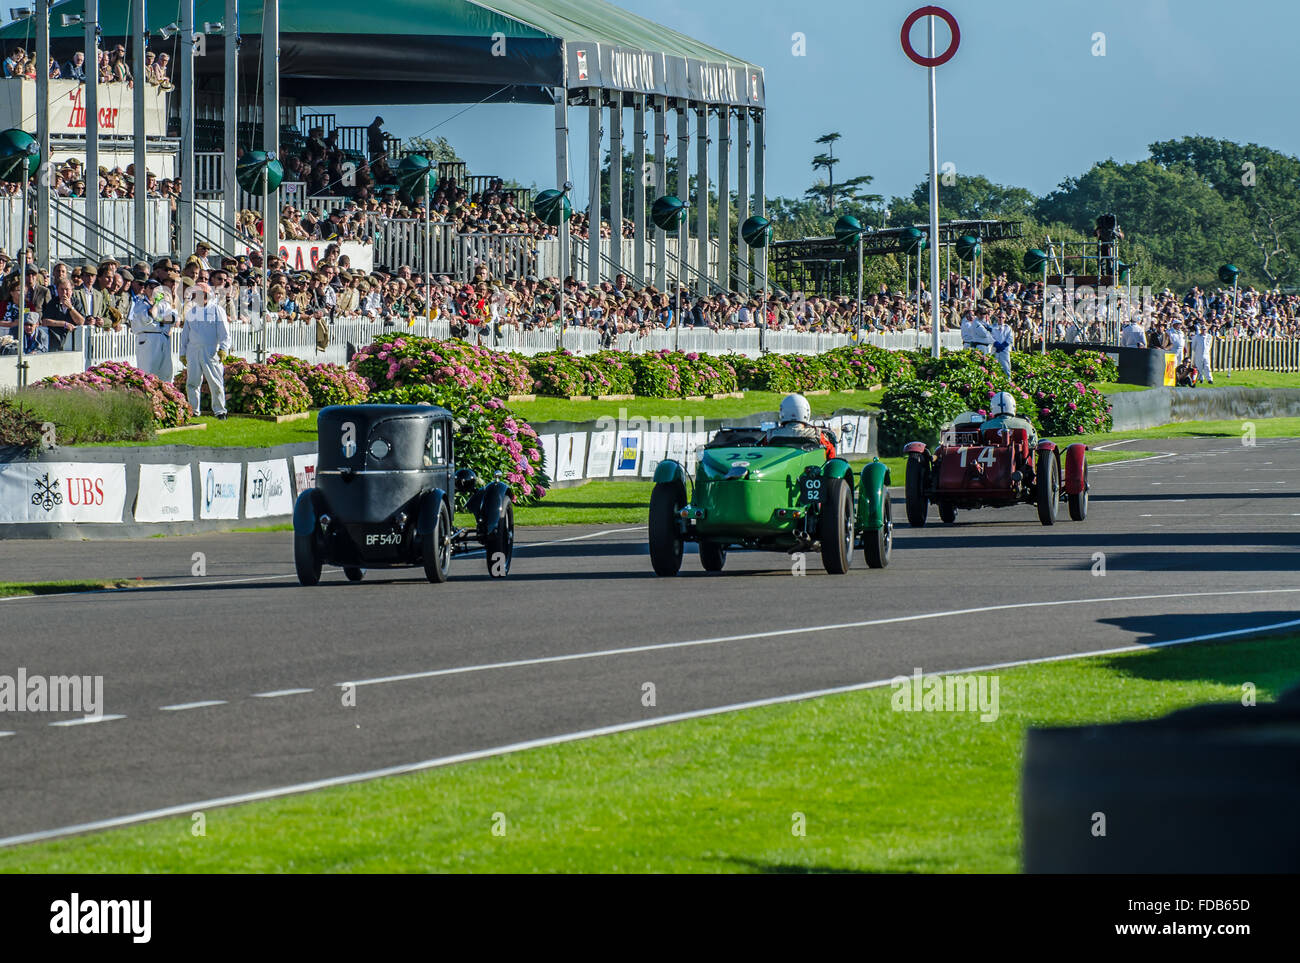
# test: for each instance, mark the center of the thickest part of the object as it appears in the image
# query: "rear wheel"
(354, 573)
(666, 501)
(877, 546)
(1079, 503)
(917, 506)
(835, 526)
(306, 559)
(435, 546)
(713, 556)
(1049, 488)
(499, 544)
(947, 512)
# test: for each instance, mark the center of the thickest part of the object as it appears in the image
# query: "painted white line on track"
(1113, 444)
(188, 808)
(776, 633)
(3, 734)
(192, 705)
(280, 692)
(1131, 461)
(86, 720)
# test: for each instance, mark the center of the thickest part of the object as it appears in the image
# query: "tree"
(438, 150)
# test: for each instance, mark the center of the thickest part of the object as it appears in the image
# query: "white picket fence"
(68, 232)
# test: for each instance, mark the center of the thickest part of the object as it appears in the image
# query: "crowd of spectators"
(114, 67)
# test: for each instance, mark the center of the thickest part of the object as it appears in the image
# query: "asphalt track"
(230, 683)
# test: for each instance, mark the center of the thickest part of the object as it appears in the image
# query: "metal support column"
(91, 22)
(185, 206)
(638, 185)
(594, 133)
(760, 186)
(702, 197)
(615, 182)
(141, 160)
(682, 185)
(661, 188)
(270, 121)
(230, 114)
(43, 136)
(725, 273)
(742, 196)
(561, 178)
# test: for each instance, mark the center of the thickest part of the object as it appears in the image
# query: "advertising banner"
(571, 456)
(304, 472)
(61, 492)
(627, 453)
(219, 489)
(655, 445)
(165, 494)
(267, 491)
(600, 453)
(548, 445)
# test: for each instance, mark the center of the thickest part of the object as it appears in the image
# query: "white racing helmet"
(795, 407)
(1002, 403)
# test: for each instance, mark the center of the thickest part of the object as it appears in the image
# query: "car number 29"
(985, 456)
(384, 538)
(812, 489)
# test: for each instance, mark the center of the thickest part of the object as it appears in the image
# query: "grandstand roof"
(442, 51)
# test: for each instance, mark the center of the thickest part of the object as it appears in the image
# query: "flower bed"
(675, 374)
(170, 409)
(562, 374)
(489, 438)
(259, 389)
(328, 384)
(398, 361)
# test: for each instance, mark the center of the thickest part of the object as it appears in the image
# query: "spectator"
(13, 64)
(375, 139)
(75, 69)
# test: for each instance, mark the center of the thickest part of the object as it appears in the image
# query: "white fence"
(68, 227)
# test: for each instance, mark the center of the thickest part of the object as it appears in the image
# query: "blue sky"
(1023, 102)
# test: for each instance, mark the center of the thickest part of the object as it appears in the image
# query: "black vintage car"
(386, 482)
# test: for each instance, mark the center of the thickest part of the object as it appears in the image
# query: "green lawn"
(9, 589)
(237, 431)
(878, 790)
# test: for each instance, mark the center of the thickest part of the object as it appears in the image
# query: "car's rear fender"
(307, 511)
(488, 504)
(1046, 446)
(874, 482)
(916, 448)
(837, 468)
(1076, 467)
(429, 505)
(669, 470)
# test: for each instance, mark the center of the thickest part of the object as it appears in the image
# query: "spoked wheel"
(947, 512)
(1079, 503)
(877, 545)
(917, 506)
(835, 526)
(436, 547)
(306, 559)
(500, 543)
(354, 573)
(1049, 488)
(713, 556)
(666, 501)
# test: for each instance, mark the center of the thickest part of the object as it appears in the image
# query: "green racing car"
(757, 491)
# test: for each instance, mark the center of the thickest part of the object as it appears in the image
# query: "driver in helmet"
(1002, 411)
(796, 422)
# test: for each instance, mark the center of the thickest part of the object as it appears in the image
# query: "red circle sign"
(906, 38)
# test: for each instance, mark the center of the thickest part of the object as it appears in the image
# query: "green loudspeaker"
(968, 247)
(16, 144)
(667, 212)
(756, 231)
(913, 240)
(1122, 268)
(1227, 274)
(255, 167)
(1034, 260)
(848, 230)
(552, 207)
(413, 175)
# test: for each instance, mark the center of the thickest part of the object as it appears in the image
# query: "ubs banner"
(55, 491)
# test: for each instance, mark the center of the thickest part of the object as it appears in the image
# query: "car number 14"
(985, 456)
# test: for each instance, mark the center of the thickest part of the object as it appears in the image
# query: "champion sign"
(33, 492)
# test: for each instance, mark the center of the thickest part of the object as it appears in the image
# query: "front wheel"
(667, 499)
(713, 556)
(917, 506)
(499, 544)
(354, 573)
(877, 545)
(306, 559)
(947, 512)
(835, 526)
(1079, 503)
(435, 546)
(1049, 488)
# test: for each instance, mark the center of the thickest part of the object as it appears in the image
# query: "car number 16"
(985, 456)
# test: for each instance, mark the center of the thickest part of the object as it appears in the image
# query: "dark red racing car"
(995, 463)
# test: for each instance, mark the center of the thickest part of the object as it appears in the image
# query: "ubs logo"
(47, 493)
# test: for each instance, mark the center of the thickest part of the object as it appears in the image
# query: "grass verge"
(879, 790)
(10, 589)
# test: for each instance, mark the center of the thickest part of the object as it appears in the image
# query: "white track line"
(280, 692)
(192, 705)
(188, 808)
(3, 734)
(86, 720)
(1126, 441)
(803, 630)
